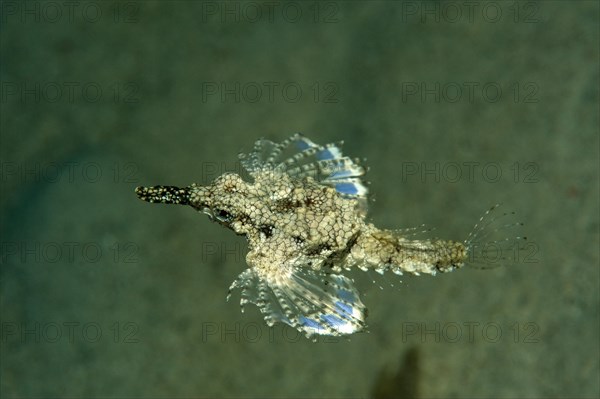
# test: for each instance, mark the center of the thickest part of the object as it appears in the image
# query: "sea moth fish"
(304, 215)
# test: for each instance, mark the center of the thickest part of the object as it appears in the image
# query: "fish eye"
(222, 215)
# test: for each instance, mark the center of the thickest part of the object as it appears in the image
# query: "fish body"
(304, 216)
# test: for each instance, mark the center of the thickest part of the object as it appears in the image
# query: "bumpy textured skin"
(304, 215)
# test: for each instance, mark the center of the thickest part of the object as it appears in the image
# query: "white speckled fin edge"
(313, 303)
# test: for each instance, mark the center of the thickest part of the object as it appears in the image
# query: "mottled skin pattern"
(304, 228)
(283, 218)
